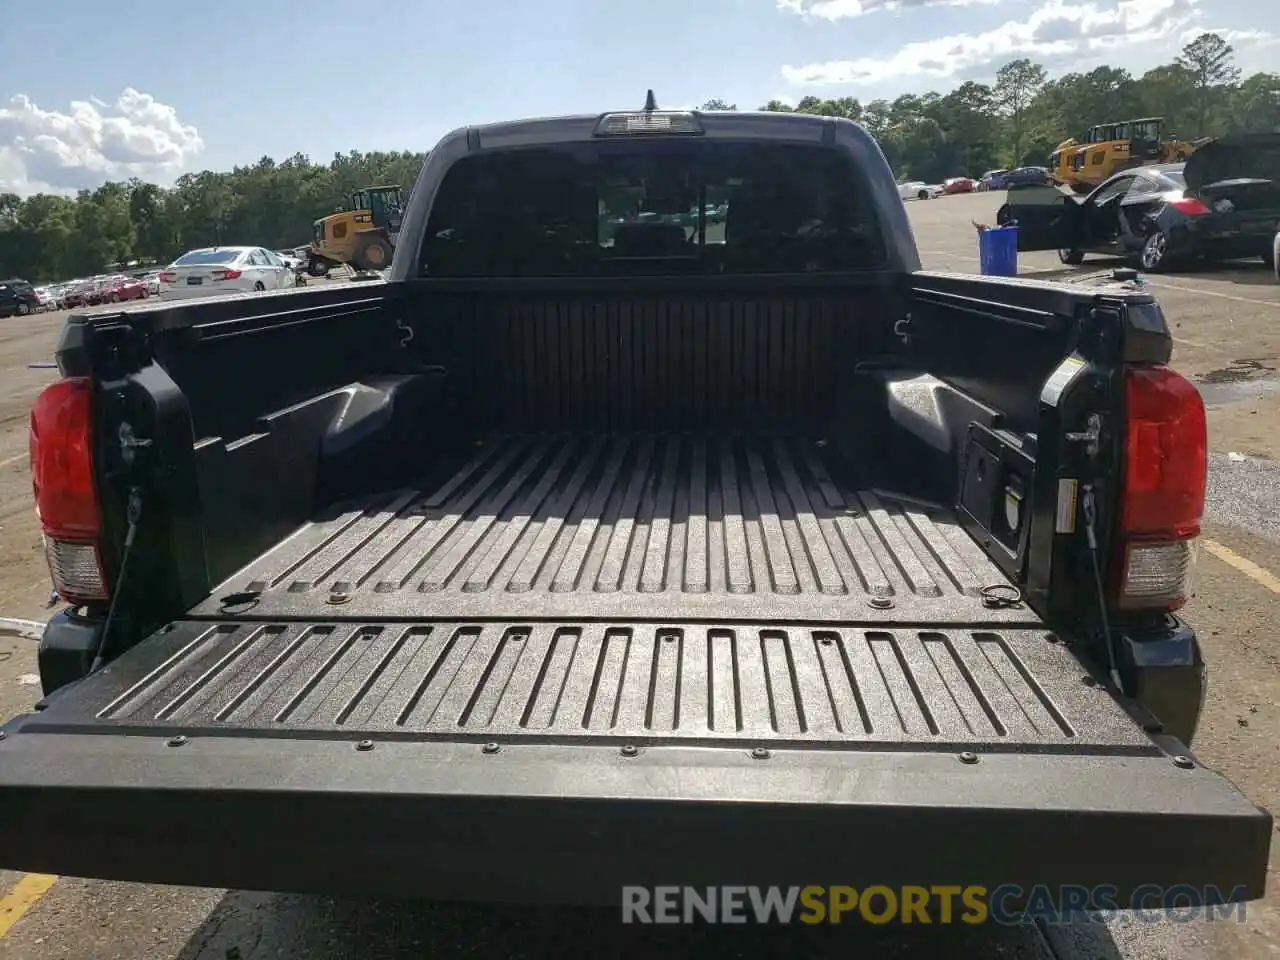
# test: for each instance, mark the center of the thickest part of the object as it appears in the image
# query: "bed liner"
(633, 527)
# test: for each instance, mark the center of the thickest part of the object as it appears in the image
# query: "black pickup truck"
(605, 545)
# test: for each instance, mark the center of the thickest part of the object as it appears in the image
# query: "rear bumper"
(1225, 238)
(538, 822)
(204, 291)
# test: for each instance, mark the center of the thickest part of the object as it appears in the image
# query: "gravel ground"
(1225, 324)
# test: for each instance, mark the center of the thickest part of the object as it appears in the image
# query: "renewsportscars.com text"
(1006, 905)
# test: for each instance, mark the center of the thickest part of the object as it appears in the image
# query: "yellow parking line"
(1250, 569)
(30, 888)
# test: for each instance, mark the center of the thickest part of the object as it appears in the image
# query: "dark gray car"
(1222, 204)
(17, 296)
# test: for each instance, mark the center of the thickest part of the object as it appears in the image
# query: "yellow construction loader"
(362, 236)
(1111, 147)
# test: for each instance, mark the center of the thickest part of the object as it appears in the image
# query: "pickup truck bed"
(628, 654)
(632, 526)
(575, 643)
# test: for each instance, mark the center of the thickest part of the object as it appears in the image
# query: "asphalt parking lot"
(1226, 322)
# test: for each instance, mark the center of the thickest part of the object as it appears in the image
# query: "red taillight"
(61, 450)
(168, 277)
(226, 274)
(1162, 501)
(1190, 206)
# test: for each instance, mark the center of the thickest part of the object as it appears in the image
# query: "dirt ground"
(1227, 328)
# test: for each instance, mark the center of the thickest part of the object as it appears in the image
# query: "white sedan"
(1275, 256)
(212, 271)
(918, 190)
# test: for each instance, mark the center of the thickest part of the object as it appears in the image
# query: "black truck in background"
(601, 546)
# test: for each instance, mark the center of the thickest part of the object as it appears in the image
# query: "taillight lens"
(1165, 466)
(1190, 206)
(168, 277)
(61, 450)
(226, 274)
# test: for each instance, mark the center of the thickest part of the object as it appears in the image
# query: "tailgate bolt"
(760, 753)
(880, 603)
(490, 747)
(968, 757)
(177, 741)
(1186, 763)
(364, 745)
(629, 750)
(338, 597)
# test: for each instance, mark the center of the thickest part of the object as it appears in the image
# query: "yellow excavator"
(1110, 147)
(363, 235)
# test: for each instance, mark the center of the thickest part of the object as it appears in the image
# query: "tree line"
(1017, 120)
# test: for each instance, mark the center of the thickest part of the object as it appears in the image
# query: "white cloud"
(44, 150)
(1058, 30)
(1237, 38)
(847, 9)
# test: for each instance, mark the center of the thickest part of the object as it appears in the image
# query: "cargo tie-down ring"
(996, 596)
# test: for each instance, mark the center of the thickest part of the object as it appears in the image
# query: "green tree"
(1257, 104)
(1210, 61)
(967, 114)
(1169, 91)
(1017, 84)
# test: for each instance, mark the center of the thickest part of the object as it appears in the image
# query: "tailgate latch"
(130, 442)
(1089, 437)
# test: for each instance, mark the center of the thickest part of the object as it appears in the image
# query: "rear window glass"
(1174, 177)
(658, 207)
(197, 257)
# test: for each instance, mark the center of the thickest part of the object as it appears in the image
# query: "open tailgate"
(560, 761)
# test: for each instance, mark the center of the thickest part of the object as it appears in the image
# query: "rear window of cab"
(653, 207)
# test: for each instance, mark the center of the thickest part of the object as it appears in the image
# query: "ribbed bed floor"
(636, 526)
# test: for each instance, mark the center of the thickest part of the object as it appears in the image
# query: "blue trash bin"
(998, 251)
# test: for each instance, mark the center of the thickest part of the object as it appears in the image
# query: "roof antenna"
(650, 102)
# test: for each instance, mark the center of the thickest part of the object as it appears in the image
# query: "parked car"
(292, 260)
(1275, 256)
(1223, 203)
(918, 190)
(212, 271)
(47, 300)
(1026, 176)
(78, 293)
(59, 293)
(551, 553)
(119, 289)
(993, 180)
(958, 185)
(17, 297)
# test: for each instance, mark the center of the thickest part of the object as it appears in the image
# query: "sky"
(92, 91)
